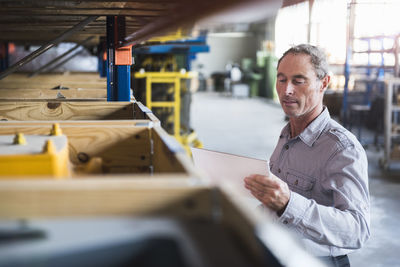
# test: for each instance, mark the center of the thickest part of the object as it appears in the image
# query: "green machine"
(251, 77)
(267, 63)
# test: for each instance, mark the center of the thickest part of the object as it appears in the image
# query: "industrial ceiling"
(35, 22)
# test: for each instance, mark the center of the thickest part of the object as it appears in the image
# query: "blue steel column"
(124, 82)
(111, 70)
(118, 77)
(123, 71)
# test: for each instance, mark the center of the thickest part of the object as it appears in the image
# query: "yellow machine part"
(173, 78)
(31, 166)
(179, 34)
(189, 141)
(50, 163)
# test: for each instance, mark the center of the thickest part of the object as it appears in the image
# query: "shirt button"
(285, 222)
(286, 147)
(279, 170)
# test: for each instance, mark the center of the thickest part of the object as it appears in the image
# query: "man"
(318, 185)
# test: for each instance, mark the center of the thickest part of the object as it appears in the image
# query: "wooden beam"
(165, 150)
(94, 5)
(50, 85)
(140, 196)
(100, 94)
(98, 123)
(58, 110)
(81, 12)
(85, 77)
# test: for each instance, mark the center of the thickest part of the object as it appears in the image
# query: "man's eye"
(298, 81)
(282, 80)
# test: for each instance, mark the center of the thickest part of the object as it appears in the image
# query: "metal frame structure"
(170, 78)
(391, 118)
(189, 47)
(118, 76)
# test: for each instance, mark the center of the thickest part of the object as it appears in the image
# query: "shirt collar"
(311, 133)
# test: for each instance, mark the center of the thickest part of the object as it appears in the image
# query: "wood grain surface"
(100, 94)
(103, 196)
(60, 110)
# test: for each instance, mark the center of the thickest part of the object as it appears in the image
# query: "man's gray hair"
(318, 58)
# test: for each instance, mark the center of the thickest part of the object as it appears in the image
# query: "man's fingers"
(267, 181)
(260, 191)
(257, 194)
(271, 191)
(251, 184)
(262, 181)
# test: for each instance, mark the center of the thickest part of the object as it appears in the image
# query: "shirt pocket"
(300, 183)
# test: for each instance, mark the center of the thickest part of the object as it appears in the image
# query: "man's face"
(300, 91)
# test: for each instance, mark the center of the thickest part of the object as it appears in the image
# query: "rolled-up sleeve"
(345, 224)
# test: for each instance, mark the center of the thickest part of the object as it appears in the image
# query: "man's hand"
(270, 190)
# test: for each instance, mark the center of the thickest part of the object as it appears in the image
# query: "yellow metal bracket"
(169, 78)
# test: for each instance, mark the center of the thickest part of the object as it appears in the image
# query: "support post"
(349, 52)
(119, 61)
(111, 70)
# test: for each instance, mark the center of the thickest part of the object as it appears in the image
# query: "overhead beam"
(47, 46)
(82, 12)
(180, 16)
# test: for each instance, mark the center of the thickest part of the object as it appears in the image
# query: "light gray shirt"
(326, 170)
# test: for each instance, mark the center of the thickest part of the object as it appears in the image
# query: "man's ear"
(325, 82)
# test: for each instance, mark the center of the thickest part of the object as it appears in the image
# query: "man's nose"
(289, 90)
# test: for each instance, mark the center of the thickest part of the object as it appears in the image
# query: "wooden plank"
(158, 5)
(113, 123)
(51, 85)
(165, 150)
(28, 111)
(49, 81)
(54, 77)
(100, 94)
(64, 20)
(143, 112)
(81, 11)
(101, 196)
(50, 77)
(122, 149)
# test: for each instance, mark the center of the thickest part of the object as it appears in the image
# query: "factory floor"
(251, 126)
